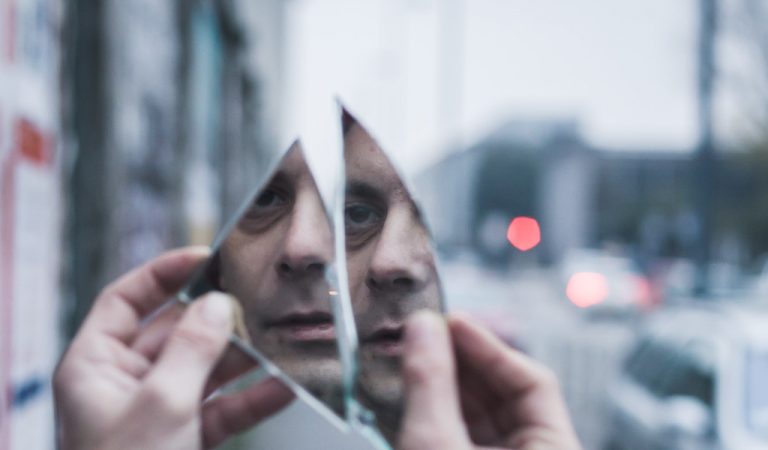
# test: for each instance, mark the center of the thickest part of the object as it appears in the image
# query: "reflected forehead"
(293, 167)
(368, 168)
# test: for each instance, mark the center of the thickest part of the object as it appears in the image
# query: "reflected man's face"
(391, 266)
(274, 262)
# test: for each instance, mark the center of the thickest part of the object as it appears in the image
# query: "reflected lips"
(316, 326)
(386, 341)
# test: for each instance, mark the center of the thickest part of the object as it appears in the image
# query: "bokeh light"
(524, 233)
(587, 289)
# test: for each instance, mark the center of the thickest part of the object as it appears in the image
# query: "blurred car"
(603, 283)
(696, 380)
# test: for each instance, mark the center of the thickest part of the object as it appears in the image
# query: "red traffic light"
(524, 233)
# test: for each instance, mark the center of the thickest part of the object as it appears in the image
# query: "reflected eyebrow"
(363, 189)
(279, 177)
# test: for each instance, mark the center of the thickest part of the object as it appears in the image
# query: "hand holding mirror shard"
(274, 261)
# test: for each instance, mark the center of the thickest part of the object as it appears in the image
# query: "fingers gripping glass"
(330, 327)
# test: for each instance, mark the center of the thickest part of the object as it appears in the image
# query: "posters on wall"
(4, 350)
(5, 301)
(30, 221)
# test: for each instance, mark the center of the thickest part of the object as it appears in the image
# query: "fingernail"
(422, 327)
(199, 249)
(217, 309)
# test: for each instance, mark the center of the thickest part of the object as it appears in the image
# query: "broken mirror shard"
(274, 259)
(391, 269)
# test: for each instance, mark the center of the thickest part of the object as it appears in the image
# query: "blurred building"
(643, 198)
(580, 194)
(541, 169)
(126, 128)
(169, 112)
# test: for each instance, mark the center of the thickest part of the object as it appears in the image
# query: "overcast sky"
(623, 69)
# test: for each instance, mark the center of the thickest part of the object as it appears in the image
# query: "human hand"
(466, 389)
(121, 385)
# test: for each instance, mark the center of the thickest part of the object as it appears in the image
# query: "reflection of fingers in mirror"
(158, 328)
(273, 261)
(391, 266)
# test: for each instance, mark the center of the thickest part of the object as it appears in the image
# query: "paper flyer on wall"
(4, 298)
(29, 221)
(35, 344)
(30, 241)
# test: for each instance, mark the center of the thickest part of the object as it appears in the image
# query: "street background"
(593, 172)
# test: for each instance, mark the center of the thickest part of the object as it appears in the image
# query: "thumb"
(432, 416)
(190, 354)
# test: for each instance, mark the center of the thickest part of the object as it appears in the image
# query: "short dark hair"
(347, 120)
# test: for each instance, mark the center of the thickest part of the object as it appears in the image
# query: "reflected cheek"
(433, 295)
(357, 268)
(356, 265)
(244, 274)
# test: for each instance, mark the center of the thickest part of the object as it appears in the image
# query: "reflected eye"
(359, 214)
(360, 218)
(268, 205)
(269, 198)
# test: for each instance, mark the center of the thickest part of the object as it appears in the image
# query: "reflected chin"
(321, 376)
(380, 387)
(384, 392)
(310, 371)
(308, 366)
(313, 364)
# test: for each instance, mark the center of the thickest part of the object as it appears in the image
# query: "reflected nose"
(307, 248)
(403, 259)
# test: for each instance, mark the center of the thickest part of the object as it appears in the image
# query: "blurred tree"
(125, 174)
(84, 112)
(743, 198)
(744, 66)
(742, 188)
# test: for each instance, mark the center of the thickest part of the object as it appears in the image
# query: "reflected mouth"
(310, 326)
(385, 341)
